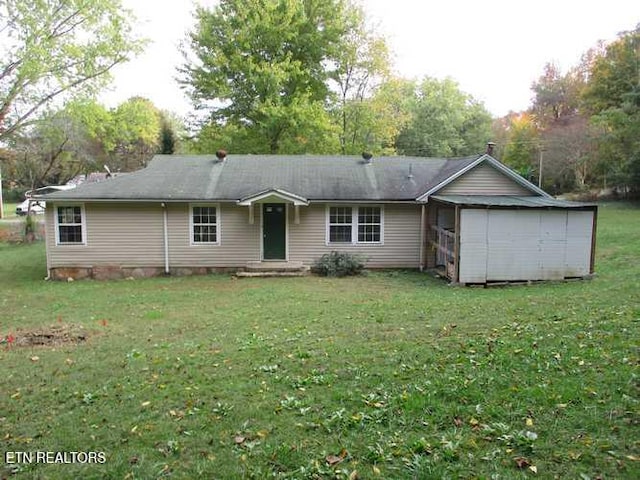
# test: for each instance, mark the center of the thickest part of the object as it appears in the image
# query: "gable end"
(484, 180)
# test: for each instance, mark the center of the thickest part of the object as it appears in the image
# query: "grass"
(9, 210)
(392, 375)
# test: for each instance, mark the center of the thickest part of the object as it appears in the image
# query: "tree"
(172, 130)
(55, 48)
(523, 145)
(263, 66)
(444, 121)
(374, 123)
(361, 66)
(570, 159)
(613, 97)
(61, 144)
(135, 133)
(557, 96)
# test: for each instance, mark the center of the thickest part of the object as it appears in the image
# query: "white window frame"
(355, 209)
(217, 224)
(83, 224)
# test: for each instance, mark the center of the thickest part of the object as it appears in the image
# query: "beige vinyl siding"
(124, 234)
(401, 248)
(484, 180)
(239, 241)
(131, 235)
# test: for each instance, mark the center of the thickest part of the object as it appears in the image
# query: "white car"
(37, 207)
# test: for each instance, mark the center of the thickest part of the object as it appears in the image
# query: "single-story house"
(474, 218)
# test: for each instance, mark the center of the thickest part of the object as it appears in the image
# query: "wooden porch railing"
(444, 245)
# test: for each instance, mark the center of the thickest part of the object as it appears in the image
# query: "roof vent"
(221, 154)
(410, 176)
(490, 147)
(367, 156)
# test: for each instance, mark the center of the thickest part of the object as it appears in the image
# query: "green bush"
(338, 264)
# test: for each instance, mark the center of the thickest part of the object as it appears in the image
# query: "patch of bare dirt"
(53, 335)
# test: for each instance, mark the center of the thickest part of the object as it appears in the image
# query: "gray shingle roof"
(204, 177)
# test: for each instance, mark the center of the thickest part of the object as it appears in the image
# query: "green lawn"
(392, 375)
(9, 210)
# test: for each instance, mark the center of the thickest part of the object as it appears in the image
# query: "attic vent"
(367, 156)
(221, 154)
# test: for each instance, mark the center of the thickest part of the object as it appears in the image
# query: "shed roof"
(508, 201)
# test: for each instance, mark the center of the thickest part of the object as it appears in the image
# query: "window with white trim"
(340, 224)
(69, 224)
(361, 224)
(204, 224)
(369, 224)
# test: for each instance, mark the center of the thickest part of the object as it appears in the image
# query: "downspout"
(165, 218)
(422, 236)
(456, 247)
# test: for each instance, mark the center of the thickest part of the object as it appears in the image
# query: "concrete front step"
(299, 273)
(275, 266)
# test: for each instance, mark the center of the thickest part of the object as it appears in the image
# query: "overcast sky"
(494, 49)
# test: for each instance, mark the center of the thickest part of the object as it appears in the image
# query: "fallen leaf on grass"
(533, 468)
(633, 458)
(239, 439)
(35, 358)
(335, 459)
(529, 422)
(522, 462)
(145, 404)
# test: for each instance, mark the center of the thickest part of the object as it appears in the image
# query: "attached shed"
(496, 238)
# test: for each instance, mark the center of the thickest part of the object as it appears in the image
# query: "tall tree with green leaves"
(613, 97)
(54, 48)
(362, 65)
(523, 146)
(62, 144)
(135, 133)
(262, 66)
(445, 121)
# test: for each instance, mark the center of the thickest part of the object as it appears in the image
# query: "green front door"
(274, 228)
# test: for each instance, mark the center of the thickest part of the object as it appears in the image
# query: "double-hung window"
(340, 224)
(70, 225)
(369, 225)
(355, 225)
(204, 224)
